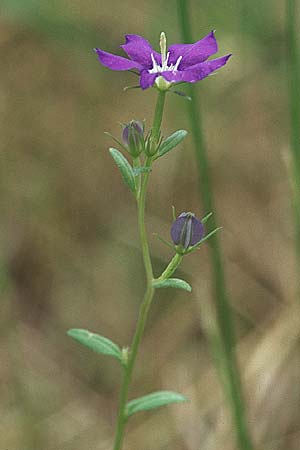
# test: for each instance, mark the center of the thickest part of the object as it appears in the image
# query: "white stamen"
(177, 63)
(164, 67)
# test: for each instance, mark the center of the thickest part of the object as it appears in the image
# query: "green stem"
(145, 306)
(171, 267)
(294, 98)
(158, 114)
(226, 335)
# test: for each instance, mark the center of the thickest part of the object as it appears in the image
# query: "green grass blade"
(293, 60)
(223, 309)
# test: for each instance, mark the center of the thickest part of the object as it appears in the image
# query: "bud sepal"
(133, 137)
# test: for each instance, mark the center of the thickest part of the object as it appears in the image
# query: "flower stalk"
(145, 306)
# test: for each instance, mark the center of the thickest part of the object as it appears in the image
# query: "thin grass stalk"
(226, 337)
(293, 77)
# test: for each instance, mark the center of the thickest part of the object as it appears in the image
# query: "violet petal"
(139, 50)
(147, 79)
(196, 72)
(193, 53)
(176, 229)
(115, 62)
(198, 231)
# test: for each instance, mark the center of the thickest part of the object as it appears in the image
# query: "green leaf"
(124, 167)
(99, 344)
(171, 142)
(164, 241)
(173, 283)
(182, 94)
(205, 218)
(194, 247)
(152, 401)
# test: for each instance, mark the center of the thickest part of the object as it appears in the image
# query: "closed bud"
(133, 137)
(152, 144)
(187, 230)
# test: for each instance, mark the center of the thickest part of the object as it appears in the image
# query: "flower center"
(164, 66)
(164, 58)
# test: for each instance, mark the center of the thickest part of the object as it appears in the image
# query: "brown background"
(69, 252)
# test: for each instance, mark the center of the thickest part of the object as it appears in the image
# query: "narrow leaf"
(124, 167)
(205, 218)
(99, 344)
(182, 94)
(174, 212)
(172, 283)
(152, 401)
(209, 235)
(171, 142)
(127, 88)
(164, 241)
(116, 140)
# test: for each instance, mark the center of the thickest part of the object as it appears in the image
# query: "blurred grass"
(69, 238)
(223, 341)
(294, 94)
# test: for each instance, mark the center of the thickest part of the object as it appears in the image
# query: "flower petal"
(176, 228)
(196, 72)
(198, 231)
(139, 50)
(147, 79)
(193, 53)
(115, 62)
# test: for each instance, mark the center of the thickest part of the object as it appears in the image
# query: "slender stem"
(137, 165)
(145, 306)
(223, 311)
(293, 50)
(158, 114)
(171, 267)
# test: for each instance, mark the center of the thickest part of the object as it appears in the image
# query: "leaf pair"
(105, 346)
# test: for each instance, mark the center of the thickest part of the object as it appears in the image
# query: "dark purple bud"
(187, 230)
(133, 137)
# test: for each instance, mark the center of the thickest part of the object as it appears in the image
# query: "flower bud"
(187, 230)
(152, 144)
(133, 137)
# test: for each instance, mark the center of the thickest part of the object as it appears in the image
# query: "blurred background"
(69, 251)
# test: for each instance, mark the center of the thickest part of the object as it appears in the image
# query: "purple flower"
(179, 63)
(187, 230)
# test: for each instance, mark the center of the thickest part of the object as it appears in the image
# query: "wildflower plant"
(180, 63)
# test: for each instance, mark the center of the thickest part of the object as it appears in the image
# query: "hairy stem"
(226, 336)
(145, 306)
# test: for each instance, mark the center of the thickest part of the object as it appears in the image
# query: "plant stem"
(171, 267)
(158, 114)
(294, 99)
(226, 335)
(146, 303)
